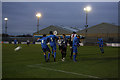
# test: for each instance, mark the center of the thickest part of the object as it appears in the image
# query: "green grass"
(90, 62)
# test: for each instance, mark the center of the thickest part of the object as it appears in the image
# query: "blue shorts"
(46, 49)
(100, 45)
(53, 48)
(74, 49)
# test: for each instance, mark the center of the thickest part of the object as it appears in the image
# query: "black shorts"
(60, 47)
(64, 48)
(28, 42)
(71, 43)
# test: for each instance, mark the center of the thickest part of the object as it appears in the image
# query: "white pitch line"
(63, 71)
(69, 72)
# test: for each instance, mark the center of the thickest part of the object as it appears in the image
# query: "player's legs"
(45, 57)
(74, 57)
(71, 49)
(54, 55)
(48, 49)
(65, 51)
(63, 58)
(54, 49)
(62, 52)
(48, 55)
(60, 48)
(44, 51)
(101, 48)
(28, 43)
(15, 44)
(74, 53)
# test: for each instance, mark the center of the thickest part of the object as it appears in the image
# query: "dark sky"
(22, 19)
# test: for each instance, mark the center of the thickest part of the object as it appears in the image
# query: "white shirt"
(72, 36)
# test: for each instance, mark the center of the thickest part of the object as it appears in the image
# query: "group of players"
(54, 40)
(62, 43)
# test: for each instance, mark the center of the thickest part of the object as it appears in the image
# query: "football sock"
(52, 51)
(65, 54)
(71, 53)
(74, 57)
(45, 56)
(48, 55)
(54, 54)
(62, 55)
(102, 50)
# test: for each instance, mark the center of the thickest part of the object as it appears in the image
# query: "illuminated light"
(88, 8)
(84, 9)
(38, 15)
(5, 19)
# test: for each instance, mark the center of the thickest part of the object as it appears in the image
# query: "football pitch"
(29, 63)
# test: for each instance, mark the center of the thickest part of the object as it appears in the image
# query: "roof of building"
(59, 29)
(71, 29)
(101, 28)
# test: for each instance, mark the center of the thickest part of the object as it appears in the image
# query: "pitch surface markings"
(45, 68)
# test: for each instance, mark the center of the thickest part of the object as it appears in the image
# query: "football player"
(76, 44)
(52, 40)
(100, 42)
(44, 46)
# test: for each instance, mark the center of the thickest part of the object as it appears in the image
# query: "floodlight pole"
(38, 24)
(86, 9)
(6, 27)
(86, 17)
(86, 26)
(38, 15)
